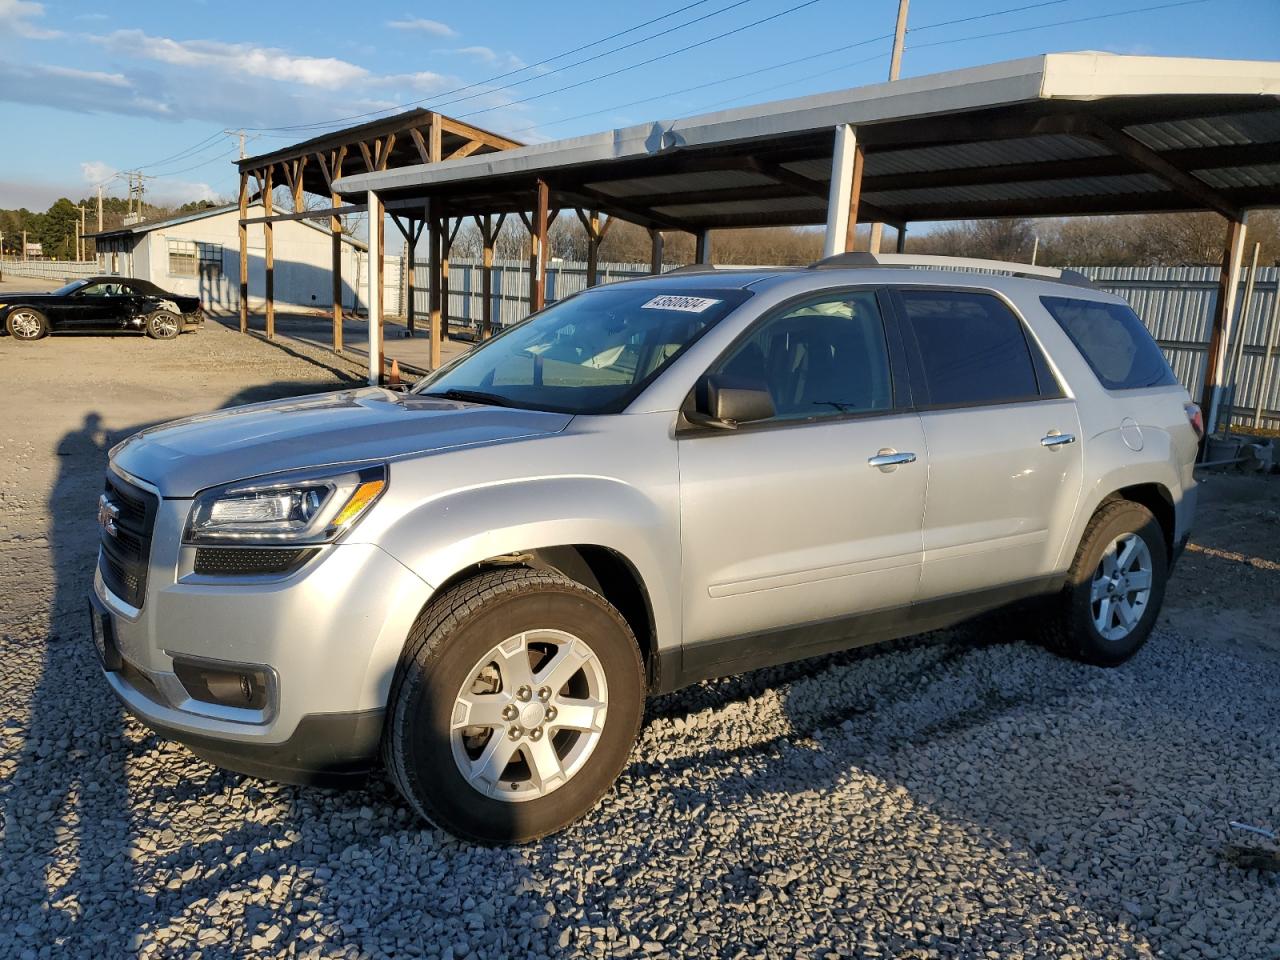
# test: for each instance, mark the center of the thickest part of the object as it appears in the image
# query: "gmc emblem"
(108, 514)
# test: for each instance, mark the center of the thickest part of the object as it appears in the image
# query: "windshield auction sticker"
(681, 304)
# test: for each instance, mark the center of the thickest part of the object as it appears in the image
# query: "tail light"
(1195, 418)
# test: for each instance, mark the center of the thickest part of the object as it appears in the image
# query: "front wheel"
(163, 325)
(27, 324)
(1115, 587)
(515, 706)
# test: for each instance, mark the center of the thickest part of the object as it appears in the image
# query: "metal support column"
(373, 297)
(902, 239)
(846, 189)
(656, 244)
(702, 246)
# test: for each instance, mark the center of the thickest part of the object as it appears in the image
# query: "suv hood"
(351, 426)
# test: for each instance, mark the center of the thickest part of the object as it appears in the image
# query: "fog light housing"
(242, 686)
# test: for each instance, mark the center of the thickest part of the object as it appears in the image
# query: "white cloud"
(17, 17)
(96, 172)
(80, 91)
(419, 25)
(489, 56)
(269, 63)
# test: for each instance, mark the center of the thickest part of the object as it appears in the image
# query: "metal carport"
(1053, 135)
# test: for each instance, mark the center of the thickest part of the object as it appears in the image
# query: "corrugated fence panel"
(63, 270)
(1176, 304)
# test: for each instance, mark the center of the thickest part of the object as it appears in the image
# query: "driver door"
(799, 521)
(96, 305)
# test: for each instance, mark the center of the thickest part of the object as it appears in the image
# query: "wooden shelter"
(414, 138)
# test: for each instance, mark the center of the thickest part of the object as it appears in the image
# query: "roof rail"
(862, 258)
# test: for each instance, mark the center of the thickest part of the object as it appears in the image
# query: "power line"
(644, 63)
(496, 77)
(790, 63)
(1058, 23)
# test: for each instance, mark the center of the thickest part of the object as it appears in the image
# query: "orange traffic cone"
(394, 381)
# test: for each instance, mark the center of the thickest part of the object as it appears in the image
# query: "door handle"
(887, 459)
(1052, 440)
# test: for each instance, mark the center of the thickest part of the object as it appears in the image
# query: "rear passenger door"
(1005, 459)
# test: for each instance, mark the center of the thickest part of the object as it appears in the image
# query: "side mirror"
(725, 401)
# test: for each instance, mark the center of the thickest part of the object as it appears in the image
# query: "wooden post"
(656, 245)
(446, 247)
(1215, 359)
(379, 219)
(335, 233)
(537, 248)
(902, 239)
(1241, 334)
(373, 297)
(593, 247)
(410, 246)
(244, 253)
(269, 255)
(433, 247)
(486, 277)
(702, 246)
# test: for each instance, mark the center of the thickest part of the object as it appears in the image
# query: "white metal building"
(198, 254)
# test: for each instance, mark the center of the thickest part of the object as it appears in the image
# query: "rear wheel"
(515, 706)
(1115, 587)
(163, 325)
(27, 324)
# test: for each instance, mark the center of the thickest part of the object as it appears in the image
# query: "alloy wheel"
(529, 715)
(25, 325)
(1121, 587)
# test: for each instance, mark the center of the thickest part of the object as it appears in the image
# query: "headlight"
(312, 507)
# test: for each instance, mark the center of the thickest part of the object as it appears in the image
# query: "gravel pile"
(935, 798)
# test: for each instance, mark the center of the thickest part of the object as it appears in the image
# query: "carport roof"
(1051, 135)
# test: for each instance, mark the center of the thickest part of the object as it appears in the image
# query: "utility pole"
(99, 208)
(240, 133)
(24, 244)
(81, 246)
(895, 66)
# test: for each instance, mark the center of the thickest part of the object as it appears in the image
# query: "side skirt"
(734, 655)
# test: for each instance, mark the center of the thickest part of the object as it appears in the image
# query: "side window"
(1113, 341)
(824, 357)
(972, 348)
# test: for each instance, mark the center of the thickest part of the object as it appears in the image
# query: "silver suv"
(643, 486)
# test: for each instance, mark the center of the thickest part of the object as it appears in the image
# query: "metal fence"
(63, 270)
(1176, 304)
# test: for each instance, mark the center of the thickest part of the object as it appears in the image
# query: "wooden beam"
(537, 248)
(591, 222)
(368, 156)
(419, 144)
(317, 214)
(855, 197)
(488, 234)
(466, 150)
(1142, 156)
(410, 250)
(269, 256)
(656, 249)
(244, 253)
(446, 247)
(450, 125)
(702, 246)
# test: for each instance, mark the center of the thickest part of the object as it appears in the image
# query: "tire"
(24, 323)
(163, 325)
(502, 615)
(1074, 626)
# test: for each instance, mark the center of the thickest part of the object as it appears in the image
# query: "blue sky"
(88, 89)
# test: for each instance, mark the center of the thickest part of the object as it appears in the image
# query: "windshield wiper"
(470, 396)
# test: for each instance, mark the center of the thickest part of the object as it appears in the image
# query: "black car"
(100, 303)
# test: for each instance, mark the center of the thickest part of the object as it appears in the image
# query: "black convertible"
(100, 303)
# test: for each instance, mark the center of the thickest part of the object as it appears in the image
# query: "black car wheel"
(163, 325)
(27, 324)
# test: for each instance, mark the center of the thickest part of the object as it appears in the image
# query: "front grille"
(124, 556)
(230, 561)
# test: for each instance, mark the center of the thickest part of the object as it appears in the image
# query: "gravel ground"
(946, 796)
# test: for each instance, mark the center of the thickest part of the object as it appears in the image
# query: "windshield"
(71, 287)
(592, 353)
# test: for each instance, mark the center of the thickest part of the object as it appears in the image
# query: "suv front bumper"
(328, 636)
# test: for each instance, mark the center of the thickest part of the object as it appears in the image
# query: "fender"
(1114, 466)
(464, 527)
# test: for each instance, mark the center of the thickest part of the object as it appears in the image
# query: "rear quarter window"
(1113, 341)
